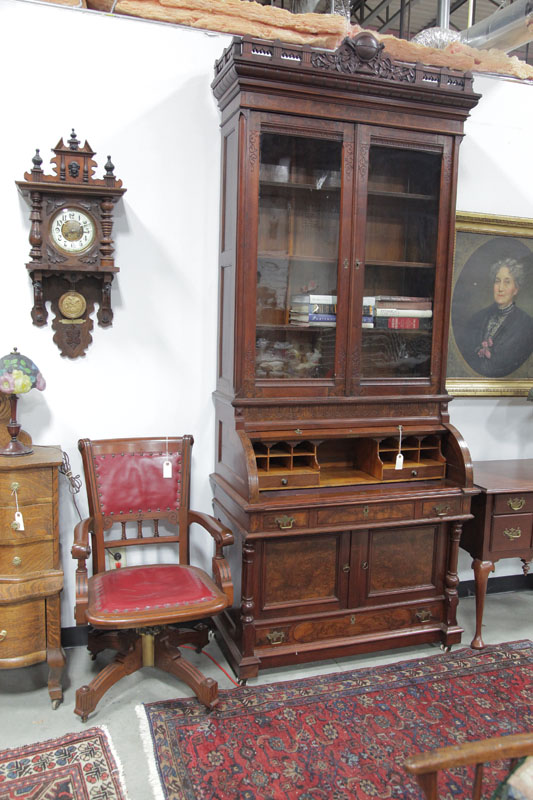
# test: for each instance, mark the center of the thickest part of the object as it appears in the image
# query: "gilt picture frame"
(490, 346)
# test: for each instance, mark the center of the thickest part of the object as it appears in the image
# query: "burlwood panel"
(402, 560)
(25, 632)
(301, 570)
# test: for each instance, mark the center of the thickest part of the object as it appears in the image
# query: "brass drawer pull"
(3, 635)
(285, 522)
(516, 503)
(15, 486)
(17, 561)
(364, 565)
(512, 533)
(284, 481)
(442, 509)
(15, 525)
(366, 511)
(276, 637)
(346, 568)
(423, 615)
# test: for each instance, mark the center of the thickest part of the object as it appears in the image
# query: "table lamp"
(18, 375)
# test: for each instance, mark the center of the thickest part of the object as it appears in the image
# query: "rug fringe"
(119, 768)
(148, 745)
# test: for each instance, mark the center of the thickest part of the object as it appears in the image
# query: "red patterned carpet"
(343, 735)
(78, 766)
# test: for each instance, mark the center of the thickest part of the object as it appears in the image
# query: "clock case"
(55, 273)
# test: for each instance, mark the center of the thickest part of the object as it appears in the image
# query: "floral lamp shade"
(18, 375)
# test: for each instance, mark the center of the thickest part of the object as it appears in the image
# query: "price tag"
(167, 469)
(399, 461)
(19, 520)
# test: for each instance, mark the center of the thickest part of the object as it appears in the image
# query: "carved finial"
(73, 141)
(109, 167)
(37, 161)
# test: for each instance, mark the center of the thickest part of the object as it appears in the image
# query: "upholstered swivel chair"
(138, 495)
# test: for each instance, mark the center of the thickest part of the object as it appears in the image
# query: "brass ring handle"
(3, 635)
(285, 522)
(516, 503)
(17, 561)
(512, 533)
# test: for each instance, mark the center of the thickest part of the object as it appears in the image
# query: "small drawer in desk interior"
(511, 532)
(515, 503)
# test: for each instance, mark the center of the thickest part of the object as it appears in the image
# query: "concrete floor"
(27, 716)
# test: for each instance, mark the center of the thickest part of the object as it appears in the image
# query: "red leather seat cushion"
(145, 588)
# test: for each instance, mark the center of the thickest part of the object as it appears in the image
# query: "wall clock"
(72, 264)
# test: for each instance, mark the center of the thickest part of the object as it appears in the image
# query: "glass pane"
(401, 243)
(298, 239)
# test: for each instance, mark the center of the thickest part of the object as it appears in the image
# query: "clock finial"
(36, 161)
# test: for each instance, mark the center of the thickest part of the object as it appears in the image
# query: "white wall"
(141, 92)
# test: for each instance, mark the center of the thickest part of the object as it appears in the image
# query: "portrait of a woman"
(498, 339)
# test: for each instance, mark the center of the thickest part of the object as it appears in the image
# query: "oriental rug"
(78, 766)
(342, 735)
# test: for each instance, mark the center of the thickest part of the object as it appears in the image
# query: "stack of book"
(313, 310)
(397, 312)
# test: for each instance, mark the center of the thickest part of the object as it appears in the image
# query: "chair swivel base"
(145, 648)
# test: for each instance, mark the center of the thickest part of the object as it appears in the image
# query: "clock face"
(72, 230)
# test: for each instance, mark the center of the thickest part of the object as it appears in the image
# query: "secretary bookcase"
(336, 466)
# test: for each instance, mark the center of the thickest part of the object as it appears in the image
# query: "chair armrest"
(81, 551)
(222, 536)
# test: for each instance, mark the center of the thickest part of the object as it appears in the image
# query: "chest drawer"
(513, 503)
(24, 633)
(511, 532)
(365, 513)
(22, 558)
(32, 486)
(37, 522)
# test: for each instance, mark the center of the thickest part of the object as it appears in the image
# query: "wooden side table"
(31, 577)
(502, 526)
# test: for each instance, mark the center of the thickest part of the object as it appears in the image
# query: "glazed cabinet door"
(298, 192)
(405, 246)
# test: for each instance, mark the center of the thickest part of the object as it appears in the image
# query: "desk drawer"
(285, 520)
(513, 503)
(288, 479)
(511, 532)
(23, 558)
(365, 513)
(442, 507)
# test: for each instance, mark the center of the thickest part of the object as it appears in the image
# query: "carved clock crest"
(72, 263)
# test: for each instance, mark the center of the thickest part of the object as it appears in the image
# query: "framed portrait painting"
(490, 348)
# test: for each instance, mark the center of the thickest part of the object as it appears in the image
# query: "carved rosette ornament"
(72, 264)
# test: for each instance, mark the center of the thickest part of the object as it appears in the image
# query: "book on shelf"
(314, 308)
(367, 318)
(314, 298)
(404, 323)
(368, 311)
(407, 304)
(403, 312)
(367, 324)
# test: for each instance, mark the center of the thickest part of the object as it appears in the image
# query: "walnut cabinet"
(336, 466)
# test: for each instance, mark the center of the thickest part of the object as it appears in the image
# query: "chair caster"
(242, 681)
(55, 704)
(446, 648)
